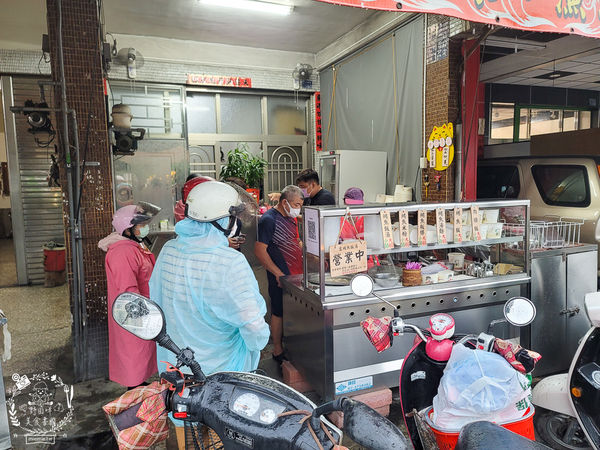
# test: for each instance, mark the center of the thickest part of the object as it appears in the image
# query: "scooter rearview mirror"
(519, 311)
(592, 307)
(138, 315)
(362, 285)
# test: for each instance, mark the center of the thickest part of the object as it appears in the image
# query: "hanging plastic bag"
(479, 385)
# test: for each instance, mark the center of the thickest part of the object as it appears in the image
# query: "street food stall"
(462, 258)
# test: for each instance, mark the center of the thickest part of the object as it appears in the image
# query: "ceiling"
(311, 26)
(578, 73)
(544, 59)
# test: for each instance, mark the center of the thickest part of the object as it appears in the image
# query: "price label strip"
(348, 258)
(475, 223)
(458, 237)
(404, 229)
(422, 228)
(440, 220)
(386, 229)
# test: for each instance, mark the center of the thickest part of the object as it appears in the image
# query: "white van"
(565, 188)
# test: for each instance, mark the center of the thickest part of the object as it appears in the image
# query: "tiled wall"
(176, 73)
(441, 106)
(25, 62)
(28, 62)
(83, 74)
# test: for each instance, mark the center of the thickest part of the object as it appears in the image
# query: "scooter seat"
(484, 435)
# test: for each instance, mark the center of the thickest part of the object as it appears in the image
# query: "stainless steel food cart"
(322, 323)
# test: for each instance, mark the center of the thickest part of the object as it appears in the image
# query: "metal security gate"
(37, 215)
(284, 164)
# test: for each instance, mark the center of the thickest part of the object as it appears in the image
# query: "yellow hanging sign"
(440, 147)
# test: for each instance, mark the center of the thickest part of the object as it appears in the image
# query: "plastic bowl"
(386, 279)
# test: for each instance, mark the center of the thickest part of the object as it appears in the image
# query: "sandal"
(279, 358)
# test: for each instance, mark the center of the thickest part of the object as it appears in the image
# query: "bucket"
(402, 194)
(54, 257)
(255, 193)
(447, 439)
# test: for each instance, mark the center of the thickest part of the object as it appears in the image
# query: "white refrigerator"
(343, 169)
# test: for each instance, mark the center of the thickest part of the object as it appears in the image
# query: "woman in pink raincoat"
(129, 264)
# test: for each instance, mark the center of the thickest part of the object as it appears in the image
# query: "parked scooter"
(247, 410)
(570, 418)
(423, 366)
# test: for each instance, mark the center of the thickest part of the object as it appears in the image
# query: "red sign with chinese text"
(318, 131)
(218, 80)
(556, 16)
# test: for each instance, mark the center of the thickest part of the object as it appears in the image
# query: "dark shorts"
(276, 295)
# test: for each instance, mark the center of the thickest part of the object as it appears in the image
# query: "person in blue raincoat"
(207, 290)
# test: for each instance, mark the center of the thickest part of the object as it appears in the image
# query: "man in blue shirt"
(278, 250)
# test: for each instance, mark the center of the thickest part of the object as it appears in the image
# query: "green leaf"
(242, 164)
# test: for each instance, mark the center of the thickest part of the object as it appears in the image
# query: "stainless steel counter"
(326, 342)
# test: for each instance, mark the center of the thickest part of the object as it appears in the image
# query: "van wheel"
(559, 431)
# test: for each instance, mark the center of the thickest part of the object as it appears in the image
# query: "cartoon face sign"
(443, 153)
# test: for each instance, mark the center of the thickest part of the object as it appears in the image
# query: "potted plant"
(250, 168)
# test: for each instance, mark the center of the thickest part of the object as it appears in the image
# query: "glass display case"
(467, 259)
(493, 246)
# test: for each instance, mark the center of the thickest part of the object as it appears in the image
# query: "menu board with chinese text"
(440, 220)
(404, 229)
(386, 229)
(458, 237)
(422, 227)
(475, 223)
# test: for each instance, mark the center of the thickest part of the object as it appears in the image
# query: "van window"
(565, 185)
(498, 182)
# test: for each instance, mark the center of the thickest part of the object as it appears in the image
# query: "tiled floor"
(39, 320)
(8, 267)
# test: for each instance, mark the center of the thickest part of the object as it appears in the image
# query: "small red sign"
(318, 131)
(218, 80)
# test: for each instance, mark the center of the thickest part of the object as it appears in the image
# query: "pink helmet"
(131, 215)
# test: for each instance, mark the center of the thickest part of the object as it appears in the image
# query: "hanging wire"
(397, 130)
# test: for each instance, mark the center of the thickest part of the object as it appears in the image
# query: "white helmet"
(213, 200)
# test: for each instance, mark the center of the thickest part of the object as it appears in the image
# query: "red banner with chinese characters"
(218, 80)
(555, 16)
(318, 131)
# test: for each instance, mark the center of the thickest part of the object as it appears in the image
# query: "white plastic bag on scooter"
(479, 385)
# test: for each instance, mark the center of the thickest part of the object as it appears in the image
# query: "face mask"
(306, 192)
(292, 212)
(143, 231)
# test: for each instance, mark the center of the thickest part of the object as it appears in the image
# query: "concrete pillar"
(82, 42)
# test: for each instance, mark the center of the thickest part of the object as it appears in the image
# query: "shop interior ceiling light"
(252, 5)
